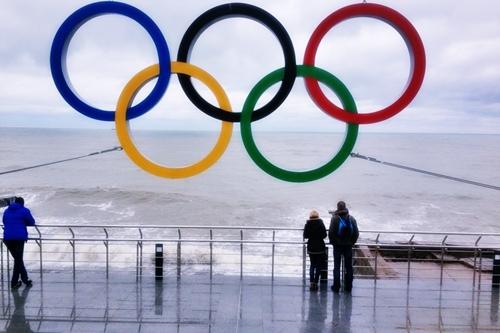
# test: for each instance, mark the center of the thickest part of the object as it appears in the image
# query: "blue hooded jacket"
(15, 219)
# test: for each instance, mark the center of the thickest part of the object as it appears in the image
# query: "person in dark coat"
(315, 232)
(343, 233)
(15, 219)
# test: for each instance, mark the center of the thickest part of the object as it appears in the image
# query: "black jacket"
(315, 232)
(333, 230)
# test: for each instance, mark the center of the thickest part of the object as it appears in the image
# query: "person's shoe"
(28, 283)
(335, 289)
(313, 287)
(16, 285)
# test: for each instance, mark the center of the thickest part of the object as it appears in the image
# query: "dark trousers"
(317, 264)
(16, 249)
(340, 251)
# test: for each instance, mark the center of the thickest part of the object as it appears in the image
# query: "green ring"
(298, 176)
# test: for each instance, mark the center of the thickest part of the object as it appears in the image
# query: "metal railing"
(273, 251)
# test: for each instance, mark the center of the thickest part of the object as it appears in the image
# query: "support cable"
(440, 175)
(60, 161)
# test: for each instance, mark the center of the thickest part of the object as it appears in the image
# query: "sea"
(110, 189)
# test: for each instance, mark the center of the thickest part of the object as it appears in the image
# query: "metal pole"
(443, 244)
(137, 262)
(106, 244)
(41, 260)
(179, 255)
(272, 257)
(376, 256)
(72, 243)
(475, 261)
(1, 264)
(39, 242)
(8, 263)
(211, 253)
(304, 252)
(480, 267)
(474, 270)
(140, 254)
(241, 254)
(410, 248)
(3, 286)
(323, 277)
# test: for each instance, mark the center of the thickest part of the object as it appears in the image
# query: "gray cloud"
(460, 91)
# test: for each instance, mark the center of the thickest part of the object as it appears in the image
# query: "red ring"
(415, 48)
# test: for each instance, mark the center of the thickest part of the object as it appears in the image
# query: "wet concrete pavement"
(193, 303)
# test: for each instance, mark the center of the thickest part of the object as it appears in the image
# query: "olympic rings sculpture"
(312, 75)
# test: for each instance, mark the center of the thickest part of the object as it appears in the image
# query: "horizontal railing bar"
(203, 227)
(169, 240)
(169, 226)
(235, 241)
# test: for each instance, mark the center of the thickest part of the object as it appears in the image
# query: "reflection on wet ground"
(253, 304)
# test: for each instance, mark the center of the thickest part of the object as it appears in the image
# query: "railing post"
(1, 262)
(39, 243)
(72, 243)
(475, 260)
(106, 244)
(137, 261)
(211, 253)
(304, 253)
(179, 255)
(272, 256)
(8, 262)
(241, 254)
(2, 287)
(376, 256)
(410, 248)
(323, 277)
(139, 257)
(443, 244)
(480, 267)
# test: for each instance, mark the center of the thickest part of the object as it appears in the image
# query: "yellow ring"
(122, 129)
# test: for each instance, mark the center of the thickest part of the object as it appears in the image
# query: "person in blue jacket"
(15, 219)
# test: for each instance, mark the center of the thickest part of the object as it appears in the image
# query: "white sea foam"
(100, 206)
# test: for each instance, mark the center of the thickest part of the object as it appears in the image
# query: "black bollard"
(495, 280)
(324, 270)
(159, 262)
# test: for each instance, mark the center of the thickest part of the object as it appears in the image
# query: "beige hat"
(313, 214)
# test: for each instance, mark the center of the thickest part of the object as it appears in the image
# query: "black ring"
(229, 10)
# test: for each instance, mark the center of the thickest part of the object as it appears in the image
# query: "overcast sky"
(460, 93)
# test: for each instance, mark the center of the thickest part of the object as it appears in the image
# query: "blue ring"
(58, 54)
